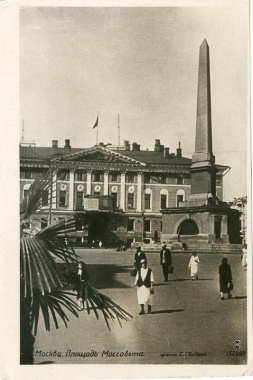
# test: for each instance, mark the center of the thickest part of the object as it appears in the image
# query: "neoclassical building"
(118, 193)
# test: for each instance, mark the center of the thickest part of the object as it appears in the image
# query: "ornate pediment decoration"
(97, 154)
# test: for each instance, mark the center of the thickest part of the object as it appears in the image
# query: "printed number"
(236, 353)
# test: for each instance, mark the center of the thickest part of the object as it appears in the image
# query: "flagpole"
(97, 131)
(118, 131)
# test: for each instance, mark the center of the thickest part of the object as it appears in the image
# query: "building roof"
(152, 157)
(141, 156)
(45, 152)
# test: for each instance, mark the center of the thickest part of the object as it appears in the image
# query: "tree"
(45, 271)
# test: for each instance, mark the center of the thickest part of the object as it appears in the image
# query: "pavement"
(189, 323)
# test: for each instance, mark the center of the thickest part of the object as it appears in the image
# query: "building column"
(139, 192)
(71, 189)
(89, 182)
(106, 182)
(54, 194)
(123, 191)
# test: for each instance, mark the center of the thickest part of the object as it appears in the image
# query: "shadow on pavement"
(239, 297)
(167, 311)
(189, 279)
(183, 279)
(47, 362)
(102, 275)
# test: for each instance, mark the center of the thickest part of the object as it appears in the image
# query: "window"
(44, 198)
(63, 175)
(28, 175)
(25, 193)
(80, 176)
(146, 225)
(43, 224)
(180, 198)
(114, 224)
(163, 200)
(163, 178)
(62, 198)
(97, 193)
(217, 228)
(147, 178)
(180, 180)
(161, 226)
(114, 200)
(130, 225)
(114, 177)
(147, 201)
(79, 199)
(97, 177)
(130, 200)
(130, 178)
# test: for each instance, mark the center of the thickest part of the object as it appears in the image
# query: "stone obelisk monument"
(201, 225)
(203, 169)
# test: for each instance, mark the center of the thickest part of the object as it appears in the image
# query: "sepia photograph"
(134, 185)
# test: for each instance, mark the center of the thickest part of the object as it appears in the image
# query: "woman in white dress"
(144, 280)
(194, 266)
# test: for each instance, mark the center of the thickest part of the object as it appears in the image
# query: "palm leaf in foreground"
(110, 310)
(52, 304)
(43, 279)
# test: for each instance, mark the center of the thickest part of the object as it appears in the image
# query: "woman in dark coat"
(225, 278)
(80, 287)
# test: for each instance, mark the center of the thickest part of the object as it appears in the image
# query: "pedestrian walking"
(165, 260)
(226, 281)
(244, 256)
(80, 287)
(194, 266)
(145, 287)
(139, 255)
(100, 244)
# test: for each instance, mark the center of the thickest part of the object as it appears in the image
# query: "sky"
(140, 63)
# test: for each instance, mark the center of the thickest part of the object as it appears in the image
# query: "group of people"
(144, 277)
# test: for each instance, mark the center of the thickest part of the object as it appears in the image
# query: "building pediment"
(97, 154)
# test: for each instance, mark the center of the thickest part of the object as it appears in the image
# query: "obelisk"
(203, 170)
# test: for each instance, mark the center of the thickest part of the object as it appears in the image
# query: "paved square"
(189, 323)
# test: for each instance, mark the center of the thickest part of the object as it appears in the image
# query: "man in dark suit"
(139, 255)
(165, 260)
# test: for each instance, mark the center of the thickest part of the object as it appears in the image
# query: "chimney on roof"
(136, 146)
(158, 146)
(126, 145)
(54, 143)
(67, 144)
(179, 151)
(166, 152)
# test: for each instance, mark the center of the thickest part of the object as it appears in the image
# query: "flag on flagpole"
(96, 123)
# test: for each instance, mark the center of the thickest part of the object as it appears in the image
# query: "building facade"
(240, 204)
(118, 194)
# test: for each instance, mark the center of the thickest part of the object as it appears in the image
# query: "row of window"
(131, 225)
(130, 199)
(64, 175)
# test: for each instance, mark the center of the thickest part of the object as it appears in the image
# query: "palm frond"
(38, 268)
(109, 309)
(42, 276)
(51, 306)
(33, 201)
